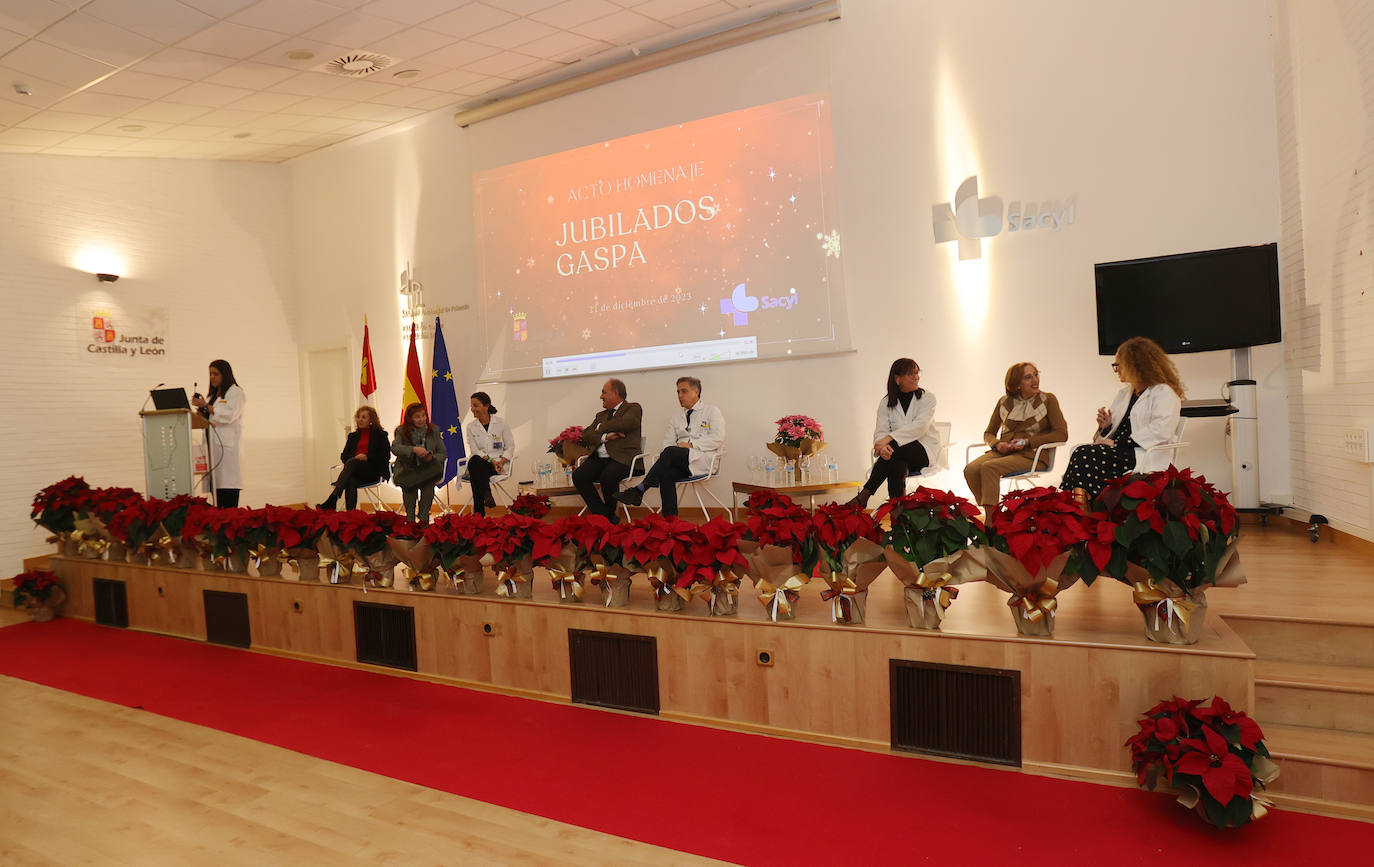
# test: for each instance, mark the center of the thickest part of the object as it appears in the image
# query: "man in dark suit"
(613, 436)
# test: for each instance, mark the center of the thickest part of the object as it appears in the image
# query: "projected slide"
(709, 241)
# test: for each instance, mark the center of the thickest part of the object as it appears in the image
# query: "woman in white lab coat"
(491, 448)
(223, 407)
(1143, 414)
(904, 437)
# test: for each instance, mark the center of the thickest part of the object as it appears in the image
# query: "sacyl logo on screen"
(968, 219)
(740, 303)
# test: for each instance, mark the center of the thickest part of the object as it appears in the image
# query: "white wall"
(1324, 59)
(1159, 118)
(209, 245)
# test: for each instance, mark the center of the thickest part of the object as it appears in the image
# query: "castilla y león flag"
(413, 391)
(368, 380)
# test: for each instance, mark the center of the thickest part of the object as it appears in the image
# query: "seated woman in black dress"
(1145, 413)
(366, 459)
(904, 435)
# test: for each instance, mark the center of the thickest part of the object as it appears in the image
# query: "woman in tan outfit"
(1022, 420)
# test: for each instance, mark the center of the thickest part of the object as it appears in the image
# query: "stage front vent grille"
(226, 618)
(956, 710)
(614, 670)
(385, 634)
(111, 602)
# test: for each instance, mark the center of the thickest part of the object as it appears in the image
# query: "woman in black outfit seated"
(904, 435)
(1144, 414)
(366, 459)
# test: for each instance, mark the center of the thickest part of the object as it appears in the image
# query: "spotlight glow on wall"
(958, 161)
(100, 260)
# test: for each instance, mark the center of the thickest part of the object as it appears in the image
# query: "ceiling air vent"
(357, 64)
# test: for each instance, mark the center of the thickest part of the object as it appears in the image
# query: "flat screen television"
(1191, 302)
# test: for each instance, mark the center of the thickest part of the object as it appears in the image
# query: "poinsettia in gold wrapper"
(846, 538)
(779, 551)
(453, 538)
(927, 544)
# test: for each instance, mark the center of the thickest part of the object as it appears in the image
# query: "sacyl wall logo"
(740, 303)
(968, 218)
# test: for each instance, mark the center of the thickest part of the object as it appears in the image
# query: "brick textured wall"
(208, 245)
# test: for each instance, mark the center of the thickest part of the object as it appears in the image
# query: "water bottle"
(833, 470)
(567, 475)
(789, 472)
(545, 474)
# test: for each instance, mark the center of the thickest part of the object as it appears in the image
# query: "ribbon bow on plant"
(1037, 602)
(780, 599)
(933, 587)
(1179, 607)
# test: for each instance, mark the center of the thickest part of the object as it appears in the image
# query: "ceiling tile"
(283, 136)
(437, 100)
(621, 27)
(665, 9)
(190, 132)
(318, 106)
(407, 96)
(500, 63)
(107, 104)
(33, 137)
(150, 129)
(20, 149)
(212, 95)
(150, 146)
(64, 151)
(42, 93)
(287, 16)
(253, 76)
(362, 127)
(166, 21)
(266, 101)
(514, 34)
(98, 40)
(55, 64)
(699, 14)
(30, 16)
(368, 90)
(9, 39)
(12, 113)
(276, 55)
(307, 84)
(167, 112)
(324, 140)
(377, 113)
(228, 117)
(533, 70)
(485, 85)
(407, 11)
(453, 79)
(409, 43)
(563, 45)
(526, 7)
(455, 55)
(231, 40)
(63, 121)
(95, 142)
(180, 63)
(140, 84)
(285, 153)
(219, 8)
(354, 30)
(571, 13)
(470, 19)
(321, 124)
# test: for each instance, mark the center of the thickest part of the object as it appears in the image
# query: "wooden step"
(1333, 697)
(1310, 641)
(1323, 765)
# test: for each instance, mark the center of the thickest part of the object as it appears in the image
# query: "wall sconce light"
(107, 278)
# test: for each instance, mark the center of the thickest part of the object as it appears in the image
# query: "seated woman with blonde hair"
(1022, 420)
(364, 457)
(1144, 414)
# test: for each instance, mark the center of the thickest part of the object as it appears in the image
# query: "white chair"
(938, 461)
(498, 491)
(372, 493)
(698, 483)
(632, 479)
(1025, 477)
(1174, 445)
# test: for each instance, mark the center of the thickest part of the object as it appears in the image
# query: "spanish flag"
(368, 380)
(413, 390)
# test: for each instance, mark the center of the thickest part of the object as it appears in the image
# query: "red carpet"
(737, 797)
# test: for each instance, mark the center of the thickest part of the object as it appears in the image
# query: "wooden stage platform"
(1295, 647)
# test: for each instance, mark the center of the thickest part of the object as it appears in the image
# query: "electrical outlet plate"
(1355, 445)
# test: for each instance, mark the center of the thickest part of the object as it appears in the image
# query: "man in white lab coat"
(695, 435)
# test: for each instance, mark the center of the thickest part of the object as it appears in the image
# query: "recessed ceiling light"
(406, 73)
(133, 127)
(242, 135)
(300, 54)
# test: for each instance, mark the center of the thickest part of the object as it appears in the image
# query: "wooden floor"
(86, 782)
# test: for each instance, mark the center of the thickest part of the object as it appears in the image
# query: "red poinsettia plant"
(217, 532)
(175, 511)
(139, 525)
(774, 519)
(511, 538)
(1214, 754)
(105, 503)
(1037, 525)
(837, 526)
(657, 540)
(712, 556)
(1174, 524)
(35, 587)
(584, 535)
(928, 524)
(362, 532)
(455, 536)
(284, 528)
(55, 507)
(533, 505)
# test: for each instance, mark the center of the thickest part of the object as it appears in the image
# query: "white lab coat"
(226, 432)
(493, 442)
(1154, 421)
(706, 434)
(916, 423)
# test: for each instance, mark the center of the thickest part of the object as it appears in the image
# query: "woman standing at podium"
(224, 409)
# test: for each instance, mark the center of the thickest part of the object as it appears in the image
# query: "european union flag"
(443, 400)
